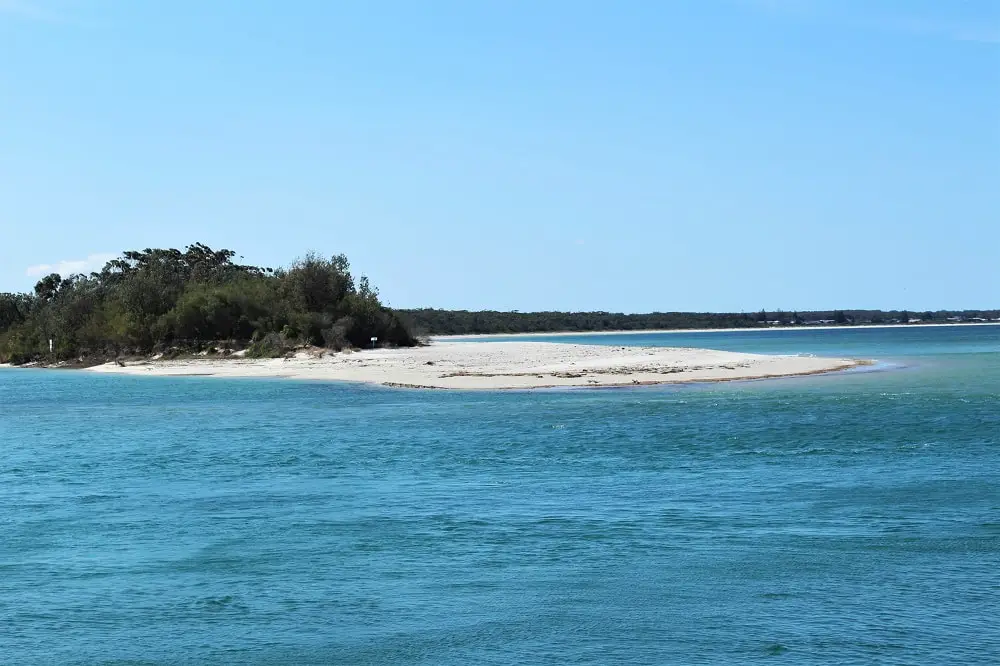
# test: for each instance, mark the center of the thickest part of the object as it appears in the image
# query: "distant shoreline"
(706, 330)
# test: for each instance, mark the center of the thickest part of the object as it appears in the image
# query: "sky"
(667, 155)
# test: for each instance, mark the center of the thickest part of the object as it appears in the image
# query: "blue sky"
(630, 156)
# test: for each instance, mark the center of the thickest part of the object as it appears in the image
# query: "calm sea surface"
(844, 519)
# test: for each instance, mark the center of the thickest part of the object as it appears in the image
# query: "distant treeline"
(199, 299)
(464, 322)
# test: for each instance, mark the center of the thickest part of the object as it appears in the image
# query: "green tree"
(48, 287)
(152, 298)
(14, 308)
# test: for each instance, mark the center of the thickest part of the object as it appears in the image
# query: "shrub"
(272, 345)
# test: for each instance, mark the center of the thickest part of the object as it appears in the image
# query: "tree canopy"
(161, 299)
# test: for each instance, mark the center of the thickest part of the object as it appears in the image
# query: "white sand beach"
(500, 365)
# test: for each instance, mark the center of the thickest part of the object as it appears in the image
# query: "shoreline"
(702, 330)
(501, 366)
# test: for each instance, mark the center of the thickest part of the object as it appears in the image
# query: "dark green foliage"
(463, 322)
(315, 284)
(14, 308)
(168, 299)
(48, 287)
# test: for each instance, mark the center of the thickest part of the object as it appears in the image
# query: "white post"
(50, 345)
(374, 340)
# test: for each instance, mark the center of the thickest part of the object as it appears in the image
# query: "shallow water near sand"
(850, 518)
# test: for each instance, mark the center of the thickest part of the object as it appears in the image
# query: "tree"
(315, 284)
(152, 298)
(13, 309)
(48, 287)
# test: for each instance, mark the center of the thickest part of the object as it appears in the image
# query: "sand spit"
(501, 365)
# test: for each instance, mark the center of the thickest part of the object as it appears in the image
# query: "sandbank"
(500, 365)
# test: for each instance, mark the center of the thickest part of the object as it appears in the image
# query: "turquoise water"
(845, 519)
(863, 341)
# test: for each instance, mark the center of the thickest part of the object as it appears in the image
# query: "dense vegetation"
(171, 301)
(462, 322)
(197, 300)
